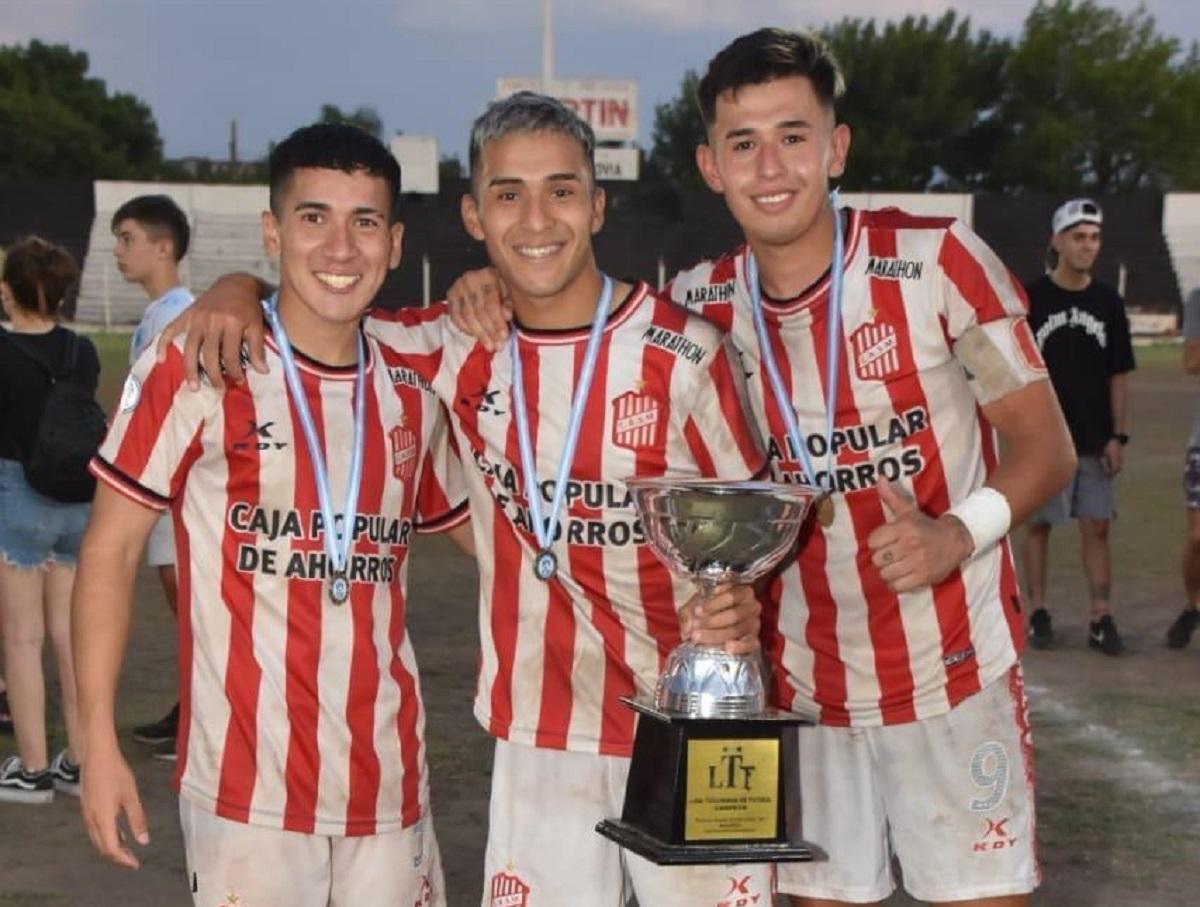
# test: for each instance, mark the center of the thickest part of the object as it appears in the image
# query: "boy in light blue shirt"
(152, 235)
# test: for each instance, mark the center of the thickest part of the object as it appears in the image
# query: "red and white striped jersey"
(933, 327)
(296, 713)
(667, 399)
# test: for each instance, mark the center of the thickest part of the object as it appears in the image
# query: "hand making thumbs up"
(913, 550)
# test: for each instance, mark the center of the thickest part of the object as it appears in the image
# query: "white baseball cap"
(1075, 212)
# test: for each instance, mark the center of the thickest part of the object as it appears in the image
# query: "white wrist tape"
(986, 515)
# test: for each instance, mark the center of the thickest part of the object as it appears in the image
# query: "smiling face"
(535, 207)
(772, 150)
(335, 247)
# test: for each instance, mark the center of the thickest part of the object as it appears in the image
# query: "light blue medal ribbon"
(545, 565)
(833, 346)
(337, 539)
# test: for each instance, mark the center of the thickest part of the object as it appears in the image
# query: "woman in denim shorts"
(39, 537)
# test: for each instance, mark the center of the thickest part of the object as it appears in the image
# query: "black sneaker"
(1180, 632)
(1041, 633)
(20, 786)
(1103, 635)
(164, 752)
(6, 725)
(65, 774)
(159, 731)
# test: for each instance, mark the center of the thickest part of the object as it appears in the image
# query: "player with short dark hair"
(295, 496)
(152, 236)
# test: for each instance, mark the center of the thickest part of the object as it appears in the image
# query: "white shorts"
(160, 547)
(254, 866)
(951, 797)
(543, 849)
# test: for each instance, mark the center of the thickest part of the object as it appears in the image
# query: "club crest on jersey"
(404, 452)
(508, 891)
(636, 422)
(876, 353)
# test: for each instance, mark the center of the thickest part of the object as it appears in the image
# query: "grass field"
(1118, 740)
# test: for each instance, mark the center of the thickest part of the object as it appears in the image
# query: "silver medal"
(339, 588)
(545, 565)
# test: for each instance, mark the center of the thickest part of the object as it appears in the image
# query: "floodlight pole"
(547, 46)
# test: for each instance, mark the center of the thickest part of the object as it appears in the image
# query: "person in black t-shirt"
(1083, 333)
(39, 537)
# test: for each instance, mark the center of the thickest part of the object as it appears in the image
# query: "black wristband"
(1120, 437)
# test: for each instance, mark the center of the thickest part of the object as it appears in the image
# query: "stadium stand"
(1018, 228)
(1181, 229)
(652, 231)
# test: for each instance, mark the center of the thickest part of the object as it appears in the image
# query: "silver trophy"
(715, 532)
(713, 768)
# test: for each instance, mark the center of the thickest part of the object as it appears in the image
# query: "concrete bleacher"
(1181, 229)
(226, 236)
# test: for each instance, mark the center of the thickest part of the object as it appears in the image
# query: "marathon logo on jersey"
(742, 893)
(714, 292)
(637, 421)
(894, 268)
(876, 353)
(404, 452)
(508, 891)
(675, 343)
(399, 374)
(995, 837)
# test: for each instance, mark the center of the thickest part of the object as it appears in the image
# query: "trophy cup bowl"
(713, 532)
(714, 775)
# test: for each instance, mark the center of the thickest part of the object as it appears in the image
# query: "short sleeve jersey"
(157, 316)
(667, 400)
(1085, 340)
(296, 713)
(933, 327)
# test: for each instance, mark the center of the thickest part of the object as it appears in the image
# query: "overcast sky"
(427, 66)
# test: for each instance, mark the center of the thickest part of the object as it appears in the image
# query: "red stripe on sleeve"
(969, 278)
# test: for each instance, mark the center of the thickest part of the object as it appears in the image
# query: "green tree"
(365, 118)
(58, 123)
(678, 129)
(1099, 101)
(921, 96)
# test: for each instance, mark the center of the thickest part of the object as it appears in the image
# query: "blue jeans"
(35, 530)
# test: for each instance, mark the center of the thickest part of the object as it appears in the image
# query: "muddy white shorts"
(160, 546)
(232, 863)
(543, 849)
(951, 797)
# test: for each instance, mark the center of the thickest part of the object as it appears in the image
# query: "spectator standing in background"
(152, 236)
(1180, 632)
(1083, 333)
(39, 536)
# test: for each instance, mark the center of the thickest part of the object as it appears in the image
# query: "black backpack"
(69, 432)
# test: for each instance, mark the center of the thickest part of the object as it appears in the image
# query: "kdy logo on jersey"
(637, 420)
(404, 452)
(876, 353)
(508, 891)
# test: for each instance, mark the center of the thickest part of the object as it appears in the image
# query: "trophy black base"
(712, 790)
(664, 854)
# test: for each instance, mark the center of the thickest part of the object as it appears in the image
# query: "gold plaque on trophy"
(732, 790)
